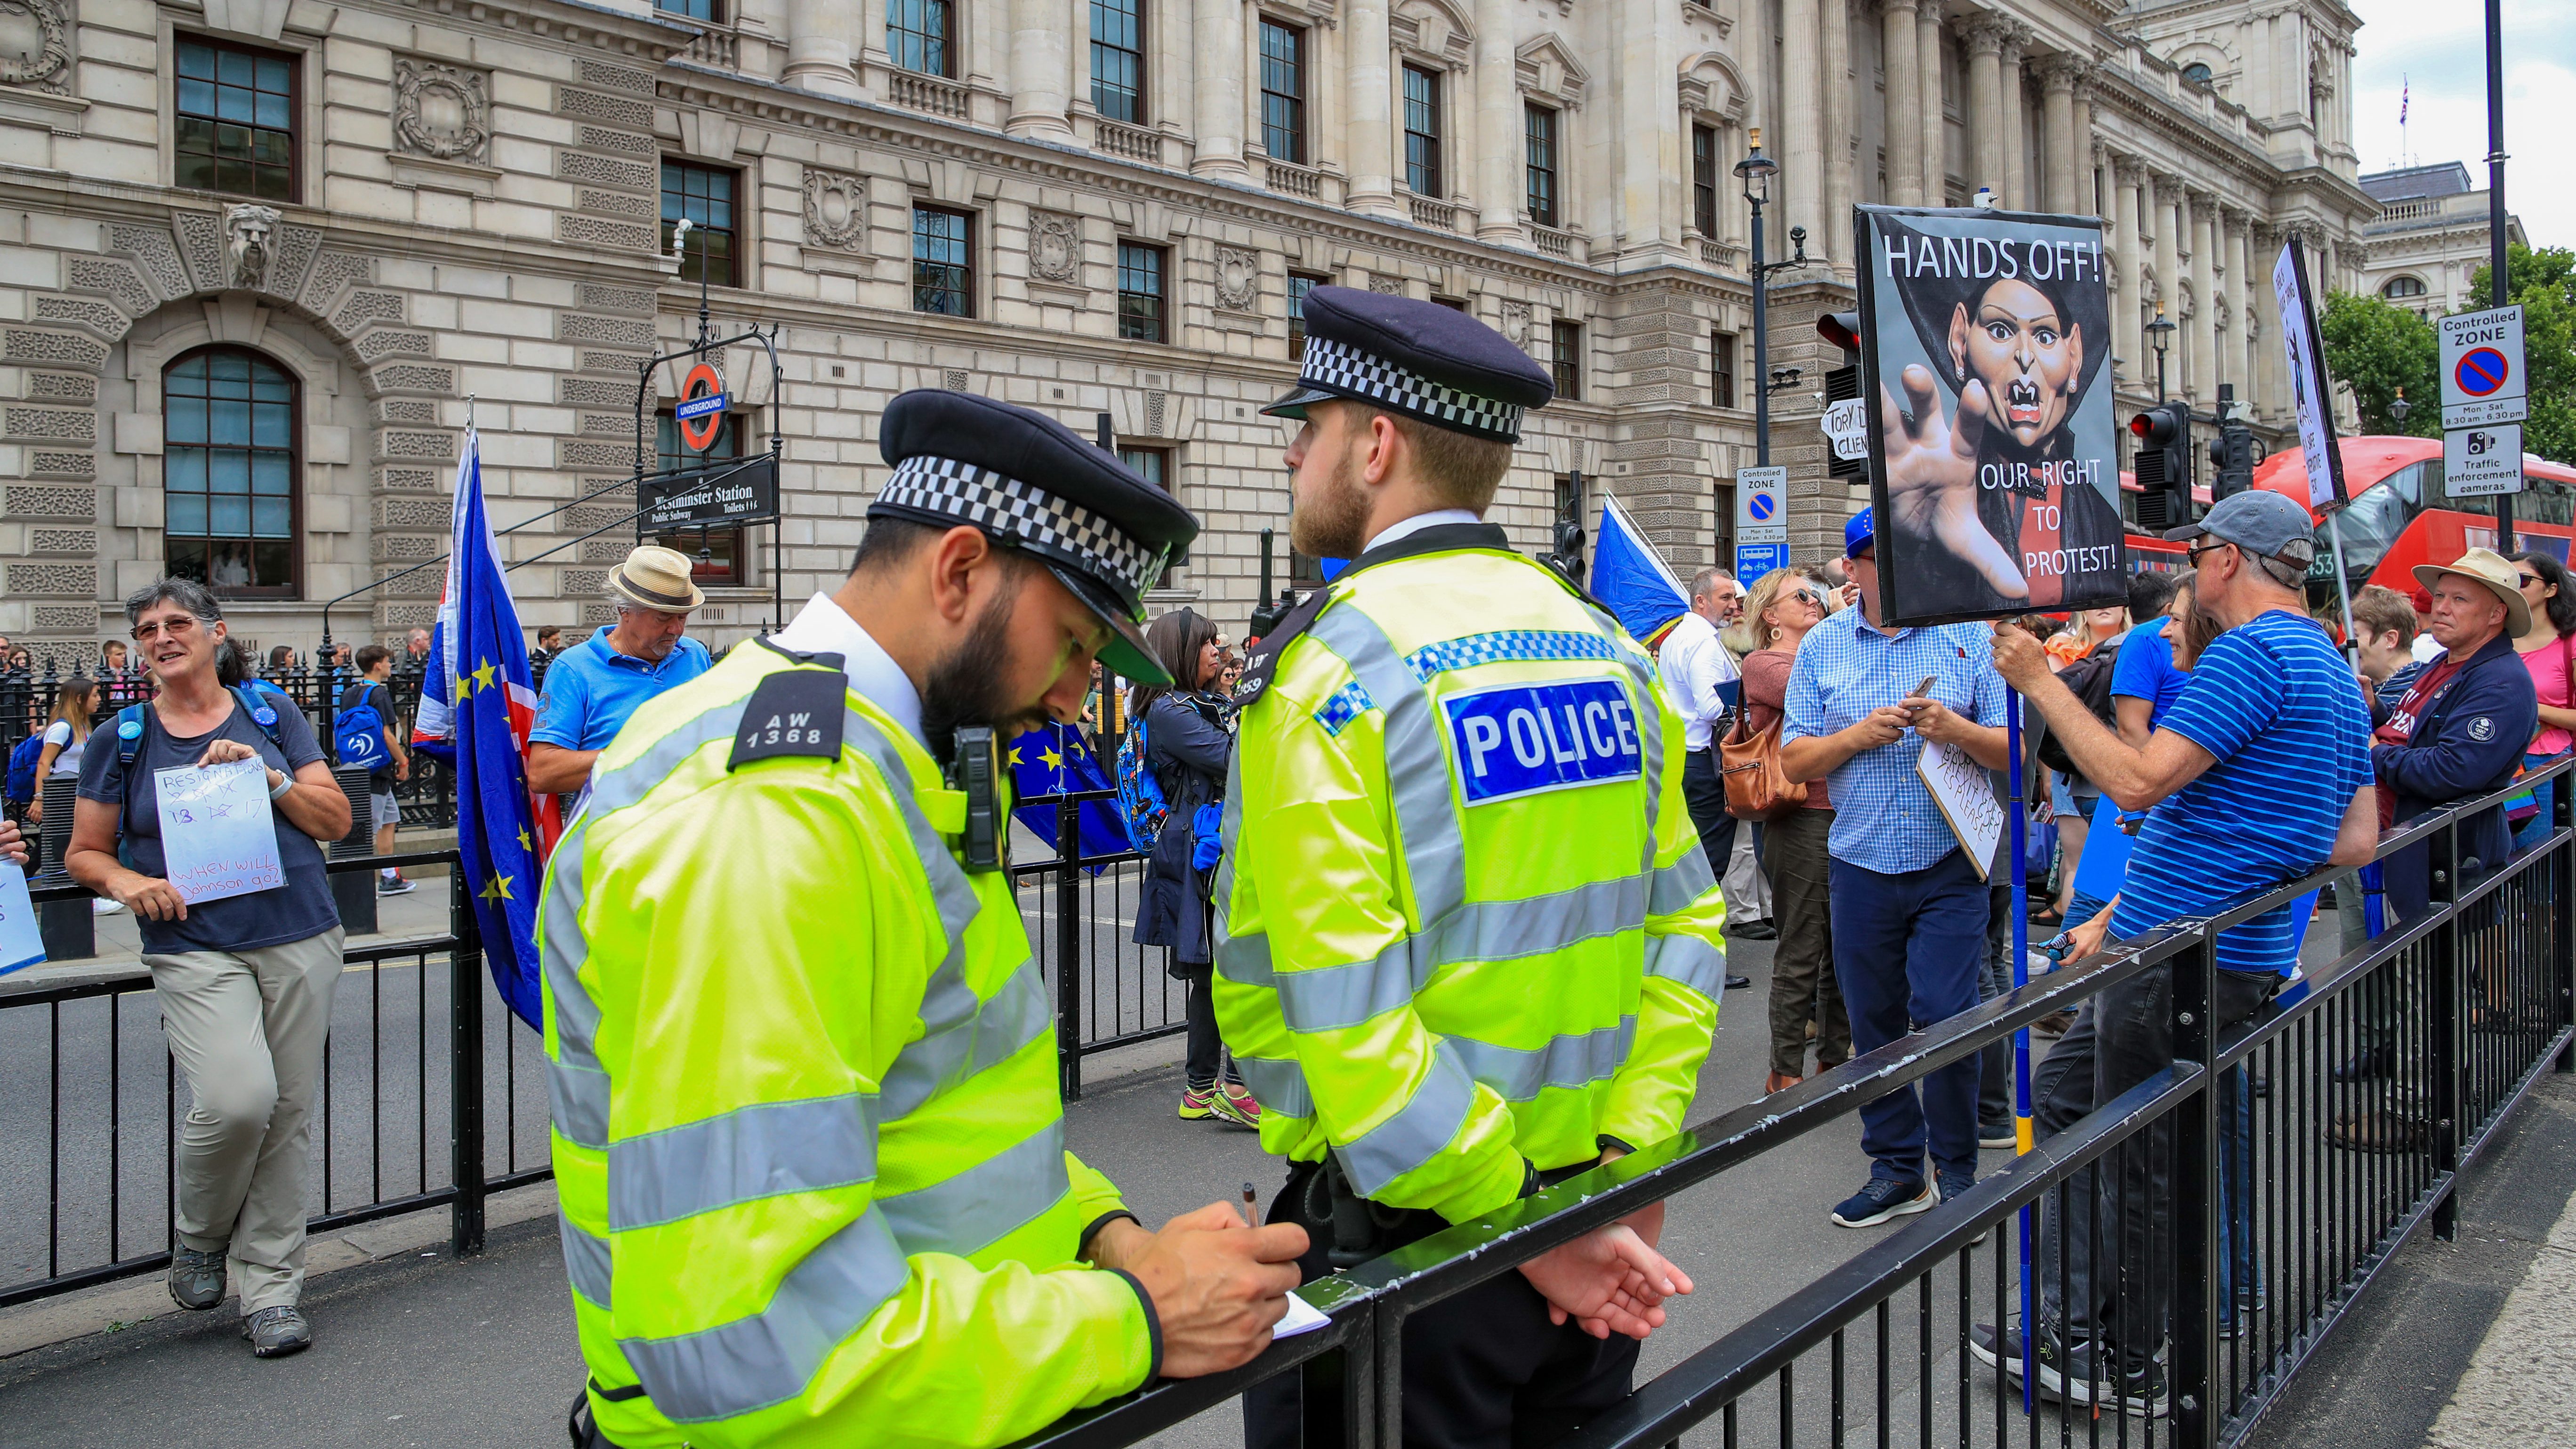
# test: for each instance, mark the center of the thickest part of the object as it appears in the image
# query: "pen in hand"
(1251, 1206)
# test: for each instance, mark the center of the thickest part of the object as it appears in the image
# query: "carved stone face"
(248, 233)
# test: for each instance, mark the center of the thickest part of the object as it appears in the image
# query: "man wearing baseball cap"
(808, 1135)
(2258, 774)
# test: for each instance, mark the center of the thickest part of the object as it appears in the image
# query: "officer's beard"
(1331, 521)
(967, 686)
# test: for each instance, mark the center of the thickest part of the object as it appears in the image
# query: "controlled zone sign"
(2482, 377)
(2482, 462)
(1753, 560)
(1762, 505)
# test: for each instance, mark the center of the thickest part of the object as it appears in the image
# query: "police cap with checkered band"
(1035, 486)
(1415, 359)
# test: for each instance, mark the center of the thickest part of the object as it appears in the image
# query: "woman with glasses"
(2549, 652)
(1783, 606)
(244, 981)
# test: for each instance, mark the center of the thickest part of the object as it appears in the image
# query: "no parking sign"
(2482, 381)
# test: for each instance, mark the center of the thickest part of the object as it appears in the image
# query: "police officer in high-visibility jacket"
(807, 1129)
(1468, 943)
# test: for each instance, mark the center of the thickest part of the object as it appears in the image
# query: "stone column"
(2126, 342)
(1842, 123)
(1986, 103)
(2061, 151)
(1930, 78)
(818, 46)
(1499, 181)
(2269, 363)
(1904, 108)
(2016, 187)
(2086, 197)
(1041, 68)
(1369, 91)
(1800, 186)
(1217, 89)
(2204, 295)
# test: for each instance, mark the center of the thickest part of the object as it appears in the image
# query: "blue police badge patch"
(1528, 738)
(2482, 729)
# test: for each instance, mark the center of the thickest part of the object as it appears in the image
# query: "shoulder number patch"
(1529, 738)
(793, 712)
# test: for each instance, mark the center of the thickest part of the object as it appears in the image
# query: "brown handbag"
(1756, 787)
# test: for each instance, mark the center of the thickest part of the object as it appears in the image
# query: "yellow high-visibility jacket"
(807, 1130)
(1465, 926)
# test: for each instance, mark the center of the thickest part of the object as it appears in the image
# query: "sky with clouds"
(2436, 53)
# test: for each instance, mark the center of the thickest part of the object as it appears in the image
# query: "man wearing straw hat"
(596, 685)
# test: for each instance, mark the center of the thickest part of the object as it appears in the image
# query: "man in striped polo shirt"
(2258, 774)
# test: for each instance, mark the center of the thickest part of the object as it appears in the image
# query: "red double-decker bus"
(2400, 515)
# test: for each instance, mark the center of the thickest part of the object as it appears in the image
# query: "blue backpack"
(359, 733)
(1141, 806)
(22, 768)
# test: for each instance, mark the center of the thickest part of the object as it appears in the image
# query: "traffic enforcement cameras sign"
(2482, 462)
(2482, 378)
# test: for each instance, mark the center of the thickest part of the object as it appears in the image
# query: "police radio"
(974, 768)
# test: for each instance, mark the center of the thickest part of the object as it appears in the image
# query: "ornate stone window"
(1283, 91)
(943, 261)
(1299, 284)
(229, 471)
(920, 35)
(1422, 175)
(235, 110)
(1539, 139)
(1142, 308)
(704, 196)
(2402, 287)
(1118, 60)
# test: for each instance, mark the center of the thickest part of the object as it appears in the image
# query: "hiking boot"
(277, 1332)
(196, 1279)
(1884, 1199)
(1240, 1104)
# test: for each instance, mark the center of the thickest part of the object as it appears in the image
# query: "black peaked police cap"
(1034, 485)
(1963, 267)
(1416, 359)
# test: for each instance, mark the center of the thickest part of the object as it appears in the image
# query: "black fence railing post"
(2197, 1250)
(465, 1066)
(2450, 1010)
(1068, 947)
(2561, 932)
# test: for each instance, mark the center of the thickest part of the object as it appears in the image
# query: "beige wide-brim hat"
(2488, 567)
(653, 577)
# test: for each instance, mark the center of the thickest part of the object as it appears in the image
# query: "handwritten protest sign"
(217, 836)
(22, 944)
(1967, 800)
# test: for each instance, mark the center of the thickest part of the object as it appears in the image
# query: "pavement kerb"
(115, 1307)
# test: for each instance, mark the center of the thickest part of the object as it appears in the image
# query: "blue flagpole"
(2021, 1042)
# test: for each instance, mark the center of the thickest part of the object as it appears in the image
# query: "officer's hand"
(1608, 1281)
(1884, 725)
(1218, 1286)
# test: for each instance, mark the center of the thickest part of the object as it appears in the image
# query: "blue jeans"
(1908, 949)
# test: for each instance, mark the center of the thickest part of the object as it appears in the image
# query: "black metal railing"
(2283, 1199)
(431, 1094)
(1081, 915)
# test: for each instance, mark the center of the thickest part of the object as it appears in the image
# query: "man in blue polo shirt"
(2256, 775)
(595, 686)
(1909, 908)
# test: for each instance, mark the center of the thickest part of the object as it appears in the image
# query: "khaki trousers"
(247, 1028)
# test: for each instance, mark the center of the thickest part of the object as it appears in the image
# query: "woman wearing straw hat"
(594, 687)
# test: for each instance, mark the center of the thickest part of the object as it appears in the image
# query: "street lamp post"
(2159, 336)
(1756, 171)
(2398, 410)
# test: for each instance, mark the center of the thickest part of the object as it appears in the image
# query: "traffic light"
(2163, 466)
(2231, 453)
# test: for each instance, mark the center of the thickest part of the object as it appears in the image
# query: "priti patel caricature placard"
(1994, 458)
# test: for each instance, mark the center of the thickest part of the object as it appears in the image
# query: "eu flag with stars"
(502, 833)
(1053, 760)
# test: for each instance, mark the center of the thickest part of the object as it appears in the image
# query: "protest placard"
(1966, 795)
(218, 838)
(22, 941)
(1994, 465)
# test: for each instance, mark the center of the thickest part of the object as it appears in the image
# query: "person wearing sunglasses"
(2548, 650)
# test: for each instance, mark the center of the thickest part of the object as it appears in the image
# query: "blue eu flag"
(502, 834)
(1053, 760)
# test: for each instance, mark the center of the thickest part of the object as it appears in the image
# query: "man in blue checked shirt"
(1909, 907)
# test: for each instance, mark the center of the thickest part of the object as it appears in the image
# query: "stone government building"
(256, 255)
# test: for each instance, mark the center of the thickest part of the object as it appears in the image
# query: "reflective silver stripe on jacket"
(986, 1203)
(1690, 961)
(1417, 768)
(1331, 997)
(769, 1357)
(1577, 1059)
(1680, 884)
(763, 1150)
(1418, 1130)
(586, 1261)
(1279, 1086)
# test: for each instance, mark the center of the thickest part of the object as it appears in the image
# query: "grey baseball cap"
(2258, 521)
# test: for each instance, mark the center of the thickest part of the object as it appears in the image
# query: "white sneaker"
(102, 906)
